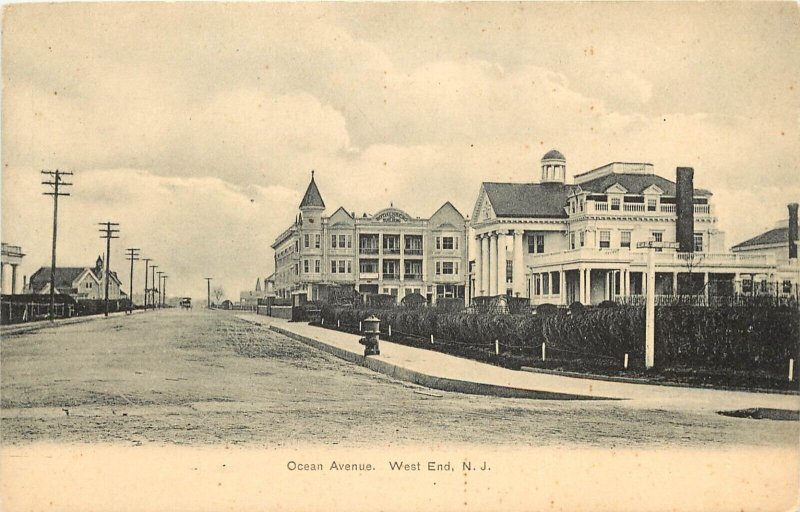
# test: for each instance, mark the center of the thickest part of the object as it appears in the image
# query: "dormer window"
(651, 205)
(615, 203)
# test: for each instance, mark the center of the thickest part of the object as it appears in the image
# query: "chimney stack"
(684, 198)
(792, 231)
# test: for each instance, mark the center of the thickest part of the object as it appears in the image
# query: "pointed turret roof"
(312, 198)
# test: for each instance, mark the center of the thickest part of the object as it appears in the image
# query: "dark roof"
(773, 236)
(635, 184)
(553, 154)
(528, 199)
(64, 277)
(312, 196)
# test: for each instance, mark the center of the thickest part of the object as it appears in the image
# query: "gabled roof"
(64, 277)
(635, 184)
(773, 236)
(447, 204)
(312, 197)
(528, 199)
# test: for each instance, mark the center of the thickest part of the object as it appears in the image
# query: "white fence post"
(543, 352)
(390, 330)
(625, 364)
(497, 347)
(323, 321)
(791, 370)
(359, 326)
(338, 323)
(431, 339)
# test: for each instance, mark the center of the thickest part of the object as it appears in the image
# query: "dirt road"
(206, 377)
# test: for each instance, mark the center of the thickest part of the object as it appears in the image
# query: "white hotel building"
(561, 243)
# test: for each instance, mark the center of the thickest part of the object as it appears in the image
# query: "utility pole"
(164, 292)
(153, 286)
(108, 232)
(159, 287)
(208, 302)
(133, 255)
(146, 273)
(55, 180)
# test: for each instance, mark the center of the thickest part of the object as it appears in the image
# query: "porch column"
(518, 270)
(501, 263)
(562, 289)
(674, 283)
(492, 264)
(3, 278)
(477, 272)
(588, 286)
(607, 291)
(485, 262)
(581, 285)
(705, 285)
(13, 278)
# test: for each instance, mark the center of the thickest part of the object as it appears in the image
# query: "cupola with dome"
(554, 167)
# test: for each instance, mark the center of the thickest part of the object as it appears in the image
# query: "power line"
(108, 232)
(54, 179)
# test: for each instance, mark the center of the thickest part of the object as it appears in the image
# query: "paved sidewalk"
(13, 329)
(450, 373)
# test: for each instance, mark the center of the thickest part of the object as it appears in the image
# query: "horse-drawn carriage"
(186, 303)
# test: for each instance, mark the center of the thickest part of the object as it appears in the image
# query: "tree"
(218, 293)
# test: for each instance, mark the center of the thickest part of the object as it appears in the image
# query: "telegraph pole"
(164, 292)
(108, 232)
(133, 255)
(159, 287)
(55, 180)
(208, 302)
(146, 272)
(650, 304)
(153, 286)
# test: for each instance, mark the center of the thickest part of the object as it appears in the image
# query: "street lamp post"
(650, 308)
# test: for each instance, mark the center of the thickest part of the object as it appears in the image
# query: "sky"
(196, 126)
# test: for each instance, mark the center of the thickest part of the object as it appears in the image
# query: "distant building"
(81, 283)
(11, 257)
(250, 298)
(560, 243)
(389, 252)
(780, 244)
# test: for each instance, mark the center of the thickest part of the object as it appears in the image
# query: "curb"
(430, 381)
(636, 380)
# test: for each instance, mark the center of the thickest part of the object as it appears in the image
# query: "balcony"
(368, 250)
(390, 275)
(412, 252)
(730, 262)
(391, 250)
(641, 208)
(413, 277)
(368, 275)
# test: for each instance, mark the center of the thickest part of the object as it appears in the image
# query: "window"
(787, 286)
(447, 243)
(368, 266)
(572, 206)
(651, 205)
(545, 284)
(625, 239)
(615, 203)
(349, 267)
(583, 238)
(572, 241)
(438, 268)
(537, 284)
(305, 241)
(333, 267)
(333, 241)
(438, 242)
(509, 271)
(342, 239)
(342, 266)
(316, 265)
(317, 241)
(605, 239)
(535, 244)
(657, 236)
(305, 265)
(698, 242)
(580, 205)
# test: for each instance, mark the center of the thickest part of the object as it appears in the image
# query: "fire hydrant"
(372, 329)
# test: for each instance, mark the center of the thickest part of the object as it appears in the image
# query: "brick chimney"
(792, 231)
(684, 198)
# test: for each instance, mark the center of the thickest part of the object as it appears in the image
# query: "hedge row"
(689, 336)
